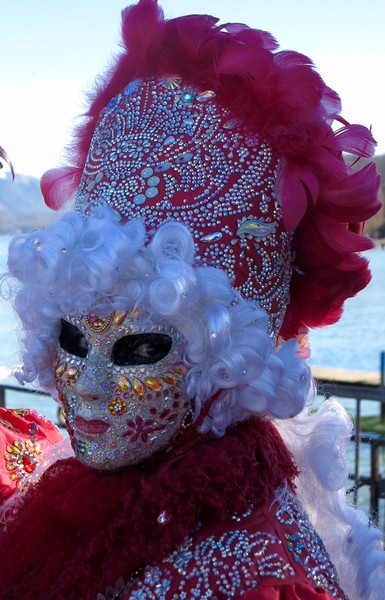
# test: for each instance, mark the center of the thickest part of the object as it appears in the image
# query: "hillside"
(22, 207)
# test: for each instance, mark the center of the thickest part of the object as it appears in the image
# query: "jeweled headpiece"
(209, 125)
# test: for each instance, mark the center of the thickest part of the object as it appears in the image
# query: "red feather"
(299, 186)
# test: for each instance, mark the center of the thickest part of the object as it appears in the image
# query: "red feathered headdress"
(210, 125)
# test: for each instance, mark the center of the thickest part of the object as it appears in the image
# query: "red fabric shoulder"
(24, 438)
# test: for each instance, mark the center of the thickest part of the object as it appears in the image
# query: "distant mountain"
(22, 206)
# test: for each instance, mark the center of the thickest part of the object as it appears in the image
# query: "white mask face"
(122, 386)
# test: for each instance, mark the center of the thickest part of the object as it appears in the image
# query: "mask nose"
(93, 383)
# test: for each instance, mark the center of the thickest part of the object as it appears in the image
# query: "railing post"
(357, 448)
(2, 396)
(382, 375)
(374, 480)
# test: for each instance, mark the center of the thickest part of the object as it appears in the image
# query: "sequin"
(256, 228)
(163, 518)
(132, 87)
(211, 237)
(206, 95)
(139, 199)
(232, 124)
(152, 192)
(147, 172)
(153, 181)
(171, 83)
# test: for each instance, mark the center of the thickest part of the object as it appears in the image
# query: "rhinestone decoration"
(21, 458)
(165, 151)
(233, 563)
(307, 548)
(136, 409)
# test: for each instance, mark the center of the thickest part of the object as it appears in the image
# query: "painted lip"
(93, 427)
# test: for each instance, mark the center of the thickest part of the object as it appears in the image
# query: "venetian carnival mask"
(121, 383)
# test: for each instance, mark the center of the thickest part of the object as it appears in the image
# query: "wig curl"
(78, 266)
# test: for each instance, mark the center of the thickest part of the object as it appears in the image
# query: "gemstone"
(232, 124)
(138, 387)
(153, 384)
(139, 199)
(184, 158)
(163, 167)
(153, 181)
(256, 228)
(163, 518)
(180, 368)
(119, 317)
(71, 372)
(60, 370)
(169, 378)
(206, 95)
(147, 172)
(211, 237)
(152, 192)
(123, 383)
(187, 96)
(11, 467)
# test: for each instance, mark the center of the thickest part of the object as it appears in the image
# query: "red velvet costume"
(217, 519)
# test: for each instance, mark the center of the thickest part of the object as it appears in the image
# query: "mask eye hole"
(72, 340)
(141, 349)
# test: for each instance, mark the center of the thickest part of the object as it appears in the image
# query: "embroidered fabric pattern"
(238, 561)
(164, 151)
(307, 547)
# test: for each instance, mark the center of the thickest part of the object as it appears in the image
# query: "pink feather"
(142, 28)
(59, 185)
(247, 35)
(299, 186)
(244, 62)
(355, 139)
(194, 31)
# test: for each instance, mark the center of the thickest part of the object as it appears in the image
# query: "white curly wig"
(97, 264)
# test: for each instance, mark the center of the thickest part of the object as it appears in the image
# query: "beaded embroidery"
(164, 151)
(236, 561)
(307, 547)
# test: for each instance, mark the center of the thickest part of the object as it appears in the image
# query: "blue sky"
(51, 51)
